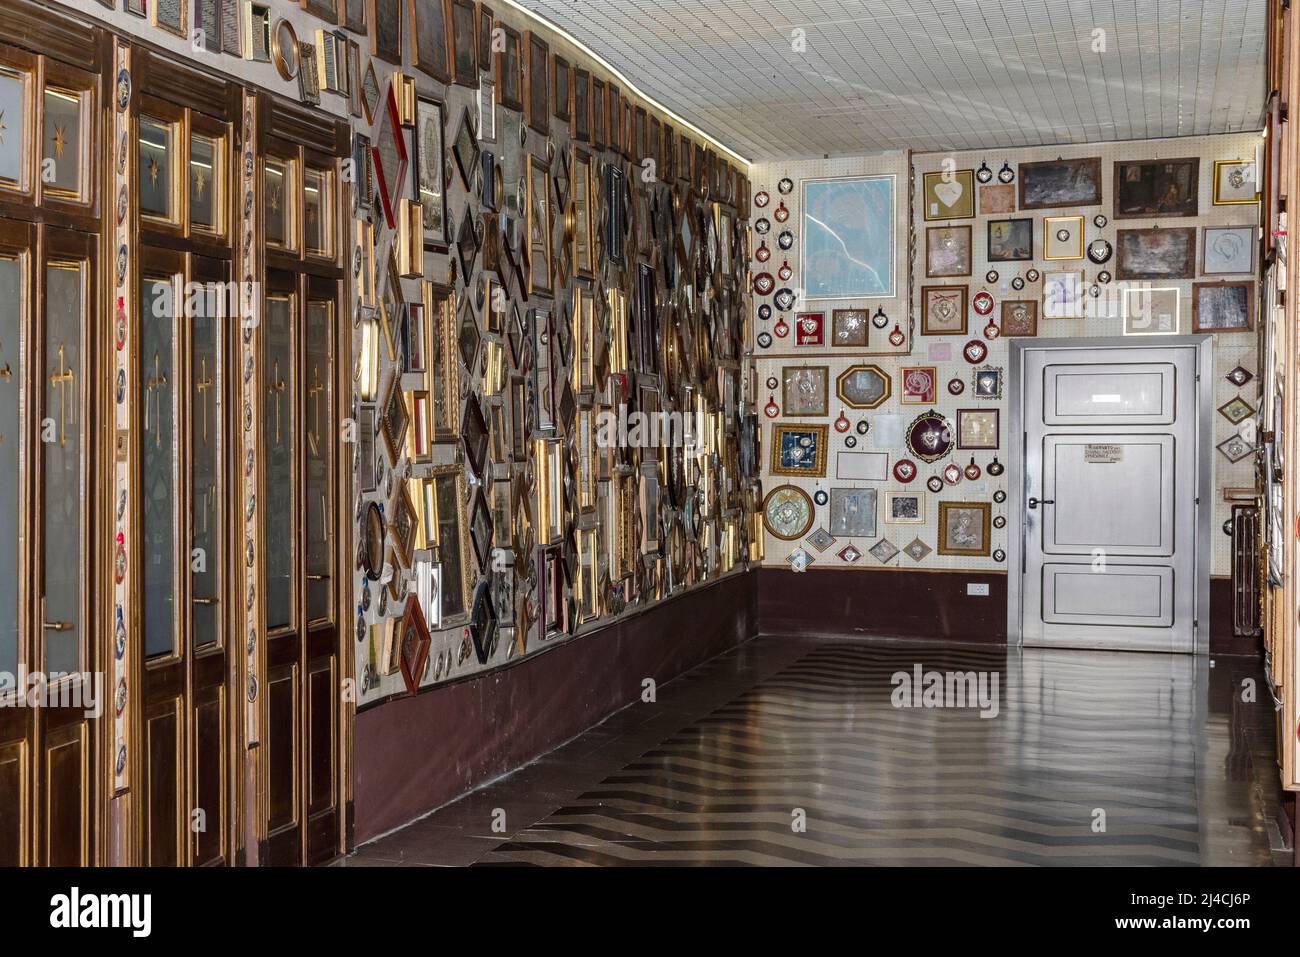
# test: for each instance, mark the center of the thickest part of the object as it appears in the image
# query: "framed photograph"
(920, 385)
(1062, 182)
(949, 194)
(537, 92)
(853, 513)
(978, 428)
(1156, 253)
(798, 449)
(905, 508)
(510, 69)
(850, 328)
(863, 386)
(1151, 312)
(1019, 317)
(943, 310)
(1063, 294)
(386, 32)
(1153, 189)
(1062, 237)
(804, 390)
(995, 199)
(964, 526)
(1228, 250)
(1223, 306)
(429, 163)
(848, 240)
(1010, 240)
(430, 36)
(539, 226)
(1235, 182)
(947, 251)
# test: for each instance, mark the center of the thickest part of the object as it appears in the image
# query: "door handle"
(318, 578)
(1034, 503)
(206, 601)
(57, 625)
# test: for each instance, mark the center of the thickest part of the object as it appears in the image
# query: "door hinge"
(1197, 500)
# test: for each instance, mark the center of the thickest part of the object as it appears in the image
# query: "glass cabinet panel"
(277, 192)
(61, 169)
(205, 183)
(11, 378)
(156, 389)
(278, 470)
(206, 455)
(317, 213)
(320, 457)
(61, 492)
(156, 193)
(13, 128)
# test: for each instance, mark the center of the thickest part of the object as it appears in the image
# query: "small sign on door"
(1099, 454)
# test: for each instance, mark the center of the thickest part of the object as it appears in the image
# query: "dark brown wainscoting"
(416, 753)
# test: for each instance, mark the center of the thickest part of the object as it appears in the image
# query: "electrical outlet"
(974, 588)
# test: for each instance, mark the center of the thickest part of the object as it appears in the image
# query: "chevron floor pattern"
(721, 768)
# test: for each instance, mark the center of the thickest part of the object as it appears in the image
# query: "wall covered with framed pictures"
(904, 394)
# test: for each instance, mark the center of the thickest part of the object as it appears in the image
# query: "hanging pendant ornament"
(772, 382)
(904, 470)
(762, 253)
(956, 386)
(782, 328)
(786, 239)
(782, 213)
(842, 424)
(984, 174)
(1018, 283)
(934, 483)
(761, 199)
(952, 473)
(820, 496)
(975, 351)
(991, 276)
(880, 320)
(995, 467)
(1032, 274)
(785, 272)
(851, 442)
(896, 338)
(992, 331)
(771, 410)
(982, 303)
(764, 340)
(764, 283)
(765, 311)
(1006, 174)
(972, 470)
(762, 225)
(786, 186)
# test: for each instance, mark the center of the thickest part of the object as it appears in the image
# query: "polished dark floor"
(1092, 759)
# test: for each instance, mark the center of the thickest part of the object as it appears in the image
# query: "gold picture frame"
(788, 457)
(958, 523)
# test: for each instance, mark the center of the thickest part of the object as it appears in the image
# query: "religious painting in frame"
(947, 252)
(943, 310)
(854, 213)
(1223, 306)
(1235, 183)
(537, 93)
(1151, 311)
(964, 528)
(510, 73)
(1157, 188)
(978, 428)
(386, 31)
(1010, 240)
(1061, 182)
(949, 194)
(788, 512)
(413, 644)
(464, 42)
(353, 15)
(1063, 294)
(429, 164)
(430, 37)
(799, 449)
(1019, 318)
(597, 113)
(1228, 250)
(1156, 253)
(804, 390)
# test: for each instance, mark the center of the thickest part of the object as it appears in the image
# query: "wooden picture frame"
(561, 93)
(1019, 318)
(1161, 253)
(540, 273)
(1231, 181)
(1050, 184)
(580, 127)
(805, 391)
(486, 20)
(1213, 302)
(799, 449)
(944, 310)
(386, 30)
(463, 33)
(948, 194)
(597, 113)
(430, 38)
(510, 85)
(1157, 188)
(537, 90)
(947, 252)
(964, 528)
(979, 428)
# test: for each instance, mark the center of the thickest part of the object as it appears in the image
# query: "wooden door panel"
(281, 748)
(210, 752)
(67, 797)
(320, 736)
(163, 823)
(13, 785)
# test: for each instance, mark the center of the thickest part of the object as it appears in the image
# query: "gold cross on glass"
(155, 386)
(317, 387)
(204, 385)
(62, 380)
(276, 387)
(5, 371)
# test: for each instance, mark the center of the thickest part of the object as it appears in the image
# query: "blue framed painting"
(848, 237)
(798, 449)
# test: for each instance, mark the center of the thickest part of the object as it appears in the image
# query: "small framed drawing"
(1063, 294)
(1228, 250)
(905, 508)
(997, 199)
(1234, 183)
(853, 512)
(804, 390)
(919, 385)
(1010, 240)
(964, 528)
(978, 428)
(947, 251)
(799, 449)
(1062, 237)
(1019, 317)
(849, 327)
(943, 310)
(1151, 312)
(987, 382)
(1223, 306)
(950, 194)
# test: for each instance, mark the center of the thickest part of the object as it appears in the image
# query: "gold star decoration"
(200, 182)
(153, 171)
(2, 127)
(60, 141)
(275, 199)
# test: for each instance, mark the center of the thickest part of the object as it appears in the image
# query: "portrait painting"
(1152, 189)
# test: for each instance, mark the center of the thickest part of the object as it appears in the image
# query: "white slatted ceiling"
(933, 75)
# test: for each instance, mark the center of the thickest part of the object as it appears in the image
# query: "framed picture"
(464, 41)
(997, 199)
(430, 36)
(597, 113)
(853, 512)
(848, 246)
(964, 526)
(804, 390)
(1151, 312)
(850, 328)
(390, 157)
(943, 310)
(810, 329)
(788, 512)
(987, 382)
(581, 126)
(978, 428)
(1228, 250)
(1063, 294)
(1062, 182)
(947, 251)
(386, 32)
(1019, 317)
(510, 71)
(920, 385)
(798, 449)
(1062, 237)
(537, 93)
(863, 386)
(1010, 240)
(1156, 253)
(905, 508)
(949, 194)
(1235, 182)
(539, 226)
(487, 110)
(429, 164)
(413, 644)
(1153, 189)
(354, 15)
(562, 93)
(1223, 306)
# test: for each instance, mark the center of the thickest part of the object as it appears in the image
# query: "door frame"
(1203, 343)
